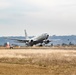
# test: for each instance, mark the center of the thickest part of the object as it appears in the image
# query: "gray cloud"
(37, 16)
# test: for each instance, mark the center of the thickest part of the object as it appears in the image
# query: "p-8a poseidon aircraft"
(35, 40)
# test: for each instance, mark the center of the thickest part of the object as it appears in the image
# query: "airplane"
(43, 38)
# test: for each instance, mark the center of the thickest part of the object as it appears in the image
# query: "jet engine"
(46, 41)
(31, 42)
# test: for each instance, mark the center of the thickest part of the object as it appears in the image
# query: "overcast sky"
(55, 17)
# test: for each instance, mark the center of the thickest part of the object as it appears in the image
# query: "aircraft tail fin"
(26, 36)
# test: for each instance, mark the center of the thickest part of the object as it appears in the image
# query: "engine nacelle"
(46, 41)
(31, 42)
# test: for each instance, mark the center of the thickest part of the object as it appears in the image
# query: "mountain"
(55, 40)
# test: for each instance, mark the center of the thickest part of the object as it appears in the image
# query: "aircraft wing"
(21, 40)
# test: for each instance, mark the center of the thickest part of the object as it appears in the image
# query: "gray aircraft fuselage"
(38, 39)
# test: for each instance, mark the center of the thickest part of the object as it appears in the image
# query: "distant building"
(7, 44)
